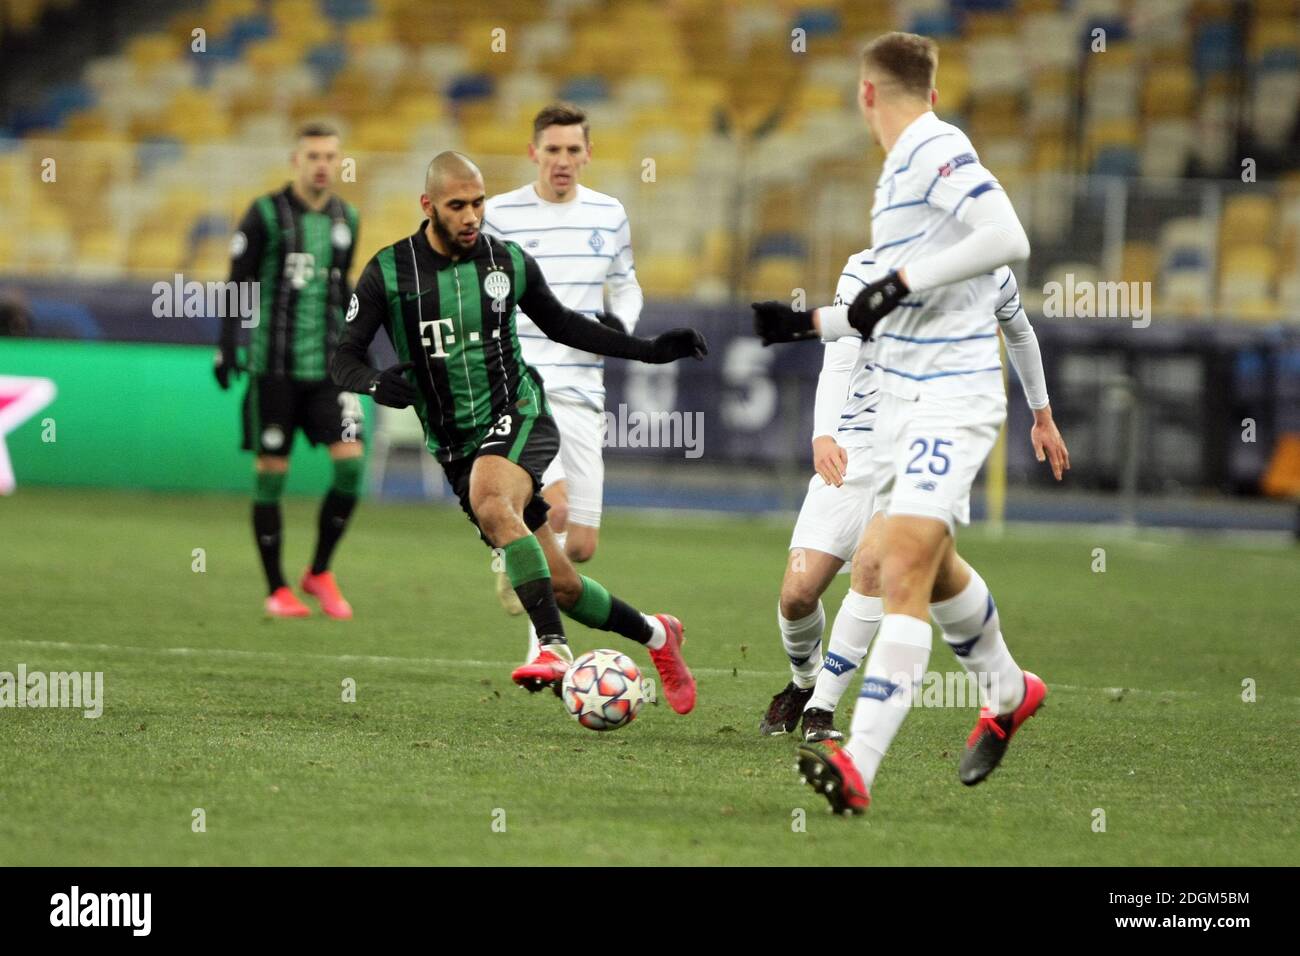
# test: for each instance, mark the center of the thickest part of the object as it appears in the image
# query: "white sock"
(533, 648)
(970, 625)
(855, 625)
(660, 636)
(802, 642)
(892, 675)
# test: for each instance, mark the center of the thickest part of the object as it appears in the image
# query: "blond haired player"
(943, 226)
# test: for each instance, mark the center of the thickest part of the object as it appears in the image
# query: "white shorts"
(832, 519)
(929, 450)
(579, 463)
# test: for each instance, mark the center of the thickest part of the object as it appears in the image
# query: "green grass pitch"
(208, 706)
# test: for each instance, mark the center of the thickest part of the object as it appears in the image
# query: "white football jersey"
(858, 419)
(584, 249)
(943, 341)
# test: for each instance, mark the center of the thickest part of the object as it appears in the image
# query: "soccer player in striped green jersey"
(446, 296)
(296, 245)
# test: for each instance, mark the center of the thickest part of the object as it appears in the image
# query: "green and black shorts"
(276, 407)
(530, 440)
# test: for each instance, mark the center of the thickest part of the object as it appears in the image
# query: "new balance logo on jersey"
(299, 268)
(432, 336)
(926, 485)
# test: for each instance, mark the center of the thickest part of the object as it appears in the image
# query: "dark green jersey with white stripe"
(300, 259)
(455, 320)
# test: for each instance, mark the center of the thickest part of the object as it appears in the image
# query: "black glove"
(677, 344)
(875, 302)
(224, 365)
(610, 320)
(777, 322)
(391, 388)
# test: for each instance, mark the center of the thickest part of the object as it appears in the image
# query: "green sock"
(348, 474)
(530, 576)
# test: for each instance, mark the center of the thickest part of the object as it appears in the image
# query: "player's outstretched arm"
(576, 330)
(349, 368)
(1027, 359)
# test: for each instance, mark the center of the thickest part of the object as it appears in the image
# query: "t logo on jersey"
(431, 336)
(299, 268)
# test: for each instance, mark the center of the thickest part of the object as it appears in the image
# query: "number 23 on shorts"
(933, 448)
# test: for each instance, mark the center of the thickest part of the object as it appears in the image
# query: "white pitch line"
(461, 662)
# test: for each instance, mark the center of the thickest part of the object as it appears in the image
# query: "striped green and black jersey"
(454, 319)
(300, 259)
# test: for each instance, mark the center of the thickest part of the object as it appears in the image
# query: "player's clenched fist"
(391, 388)
(830, 460)
(875, 302)
(777, 322)
(677, 344)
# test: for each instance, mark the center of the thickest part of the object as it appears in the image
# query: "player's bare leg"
(577, 541)
(967, 615)
(498, 492)
(801, 619)
(336, 509)
(912, 550)
(268, 529)
(855, 626)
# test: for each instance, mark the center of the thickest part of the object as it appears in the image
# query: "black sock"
(334, 513)
(266, 530)
(626, 620)
(538, 599)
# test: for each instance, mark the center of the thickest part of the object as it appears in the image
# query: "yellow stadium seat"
(153, 49)
(777, 277)
(1141, 262)
(670, 276)
(1247, 219)
(1274, 33)
(1257, 263)
(1169, 91)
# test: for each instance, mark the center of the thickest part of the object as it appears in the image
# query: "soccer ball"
(602, 690)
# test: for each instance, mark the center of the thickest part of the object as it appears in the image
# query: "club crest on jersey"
(597, 241)
(341, 235)
(299, 268)
(238, 244)
(957, 161)
(272, 438)
(353, 308)
(497, 284)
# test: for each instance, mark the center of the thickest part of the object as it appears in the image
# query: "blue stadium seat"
(1116, 161)
(817, 22)
(344, 10)
(473, 86)
(327, 59)
(778, 244)
(585, 89)
(1215, 48)
(935, 23)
